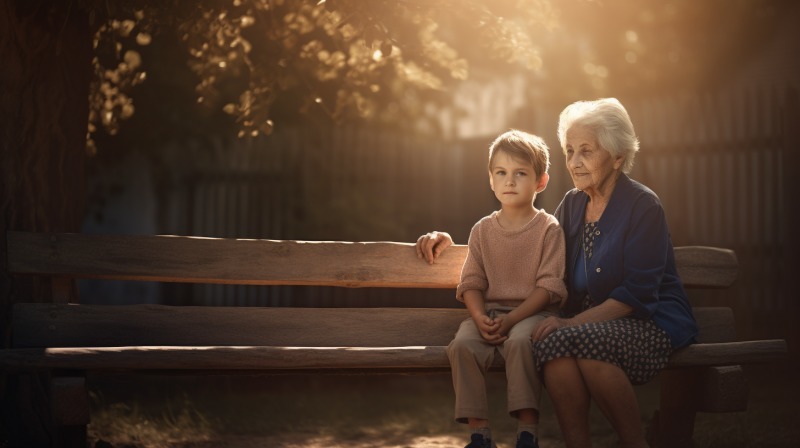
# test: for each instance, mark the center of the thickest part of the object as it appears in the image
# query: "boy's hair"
(524, 147)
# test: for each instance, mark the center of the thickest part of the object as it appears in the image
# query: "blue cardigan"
(633, 260)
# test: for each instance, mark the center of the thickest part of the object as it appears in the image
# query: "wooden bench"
(66, 340)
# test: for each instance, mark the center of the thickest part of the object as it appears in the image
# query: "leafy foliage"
(338, 59)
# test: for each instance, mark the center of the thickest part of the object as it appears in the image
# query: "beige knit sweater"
(508, 265)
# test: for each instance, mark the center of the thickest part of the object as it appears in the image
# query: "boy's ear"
(543, 179)
(491, 181)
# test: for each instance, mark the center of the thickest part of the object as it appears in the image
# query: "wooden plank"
(230, 261)
(278, 262)
(706, 267)
(730, 353)
(69, 401)
(724, 389)
(227, 358)
(60, 325)
(321, 358)
(715, 324)
(64, 325)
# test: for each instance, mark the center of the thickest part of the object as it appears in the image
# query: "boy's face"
(514, 182)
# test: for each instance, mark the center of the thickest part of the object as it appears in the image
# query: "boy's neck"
(512, 218)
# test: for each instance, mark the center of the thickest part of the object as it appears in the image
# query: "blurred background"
(362, 121)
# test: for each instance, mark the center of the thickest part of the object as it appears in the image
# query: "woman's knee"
(559, 369)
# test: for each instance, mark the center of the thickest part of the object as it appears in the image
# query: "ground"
(381, 411)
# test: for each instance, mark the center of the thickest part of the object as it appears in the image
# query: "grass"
(381, 411)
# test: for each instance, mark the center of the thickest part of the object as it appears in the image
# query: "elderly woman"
(626, 310)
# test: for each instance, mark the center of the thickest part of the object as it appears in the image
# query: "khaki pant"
(471, 356)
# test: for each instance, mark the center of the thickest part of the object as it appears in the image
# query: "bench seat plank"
(167, 258)
(321, 358)
(730, 353)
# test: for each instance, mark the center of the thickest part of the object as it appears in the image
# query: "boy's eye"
(500, 172)
(521, 173)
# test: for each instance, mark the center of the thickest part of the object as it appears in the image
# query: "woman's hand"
(431, 245)
(548, 326)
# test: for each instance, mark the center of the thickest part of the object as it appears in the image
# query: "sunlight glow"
(143, 39)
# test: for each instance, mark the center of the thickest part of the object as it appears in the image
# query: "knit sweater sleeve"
(473, 273)
(550, 275)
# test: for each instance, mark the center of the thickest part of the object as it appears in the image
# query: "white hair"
(610, 123)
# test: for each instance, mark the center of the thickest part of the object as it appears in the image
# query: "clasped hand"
(493, 330)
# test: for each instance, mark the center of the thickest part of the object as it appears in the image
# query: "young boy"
(512, 279)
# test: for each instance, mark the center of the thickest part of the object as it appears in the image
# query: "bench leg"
(42, 411)
(70, 410)
(680, 390)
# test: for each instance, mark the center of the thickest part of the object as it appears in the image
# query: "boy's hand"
(488, 328)
(431, 245)
(503, 324)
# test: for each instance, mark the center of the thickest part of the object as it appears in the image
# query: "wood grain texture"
(64, 325)
(229, 358)
(706, 267)
(730, 353)
(60, 325)
(724, 389)
(278, 262)
(405, 358)
(715, 324)
(230, 261)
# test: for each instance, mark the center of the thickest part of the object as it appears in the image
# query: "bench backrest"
(38, 325)
(269, 262)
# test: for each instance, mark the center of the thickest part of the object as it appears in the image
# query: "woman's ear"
(618, 162)
(543, 180)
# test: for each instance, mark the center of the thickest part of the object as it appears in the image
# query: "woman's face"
(591, 167)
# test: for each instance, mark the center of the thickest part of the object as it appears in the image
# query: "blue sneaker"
(527, 440)
(478, 441)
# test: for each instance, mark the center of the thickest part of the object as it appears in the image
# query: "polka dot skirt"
(638, 347)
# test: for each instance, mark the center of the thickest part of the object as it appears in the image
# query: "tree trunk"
(46, 54)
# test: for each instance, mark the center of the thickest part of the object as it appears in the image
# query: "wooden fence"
(720, 163)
